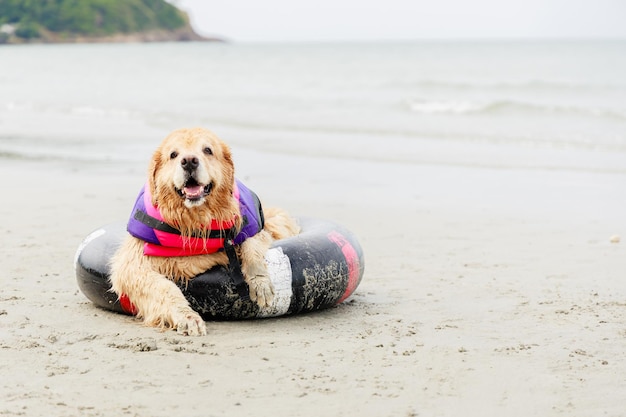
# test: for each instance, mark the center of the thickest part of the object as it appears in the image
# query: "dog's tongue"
(194, 191)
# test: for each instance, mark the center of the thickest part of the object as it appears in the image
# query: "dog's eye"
(173, 155)
(208, 151)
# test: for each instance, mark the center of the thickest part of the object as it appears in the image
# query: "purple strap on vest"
(136, 227)
(251, 212)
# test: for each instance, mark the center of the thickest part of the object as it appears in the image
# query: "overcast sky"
(327, 20)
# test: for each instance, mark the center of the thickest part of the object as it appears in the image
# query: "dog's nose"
(189, 163)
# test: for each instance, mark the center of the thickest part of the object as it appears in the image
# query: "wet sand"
(486, 292)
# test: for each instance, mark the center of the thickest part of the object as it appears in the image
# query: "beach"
(493, 277)
(462, 310)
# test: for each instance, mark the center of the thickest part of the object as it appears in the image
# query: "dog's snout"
(189, 163)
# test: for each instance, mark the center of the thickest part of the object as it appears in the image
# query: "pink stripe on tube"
(352, 259)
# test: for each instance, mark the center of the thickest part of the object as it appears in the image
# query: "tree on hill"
(89, 17)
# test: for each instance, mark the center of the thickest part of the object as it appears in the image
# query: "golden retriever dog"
(192, 198)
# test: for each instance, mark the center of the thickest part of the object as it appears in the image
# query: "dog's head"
(192, 170)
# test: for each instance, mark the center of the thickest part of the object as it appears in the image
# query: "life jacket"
(164, 239)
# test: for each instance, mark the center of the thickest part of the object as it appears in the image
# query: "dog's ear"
(155, 165)
(228, 168)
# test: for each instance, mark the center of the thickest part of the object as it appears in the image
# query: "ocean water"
(513, 105)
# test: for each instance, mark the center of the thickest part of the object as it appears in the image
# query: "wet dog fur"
(191, 177)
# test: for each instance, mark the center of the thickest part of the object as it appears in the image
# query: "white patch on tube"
(279, 268)
(93, 235)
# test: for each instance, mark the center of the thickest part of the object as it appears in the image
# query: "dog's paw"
(261, 290)
(190, 324)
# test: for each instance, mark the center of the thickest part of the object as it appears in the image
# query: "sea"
(526, 105)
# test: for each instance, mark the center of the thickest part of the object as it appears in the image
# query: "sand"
(486, 292)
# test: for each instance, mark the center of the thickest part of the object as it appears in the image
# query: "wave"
(34, 148)
(527, 86)
(433, 148)
(453, 107)
(446, 107)
(94, 111)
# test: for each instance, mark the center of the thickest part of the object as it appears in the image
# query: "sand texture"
(486, 292)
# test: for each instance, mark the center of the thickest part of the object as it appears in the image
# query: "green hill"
(92, 20)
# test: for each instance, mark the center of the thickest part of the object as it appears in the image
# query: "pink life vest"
(163, 239)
